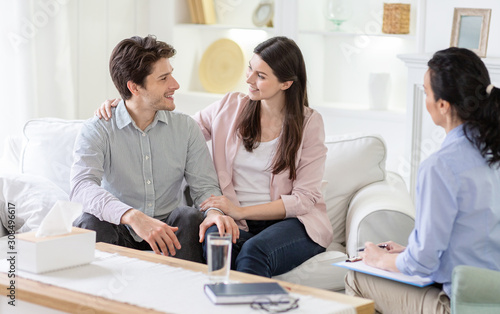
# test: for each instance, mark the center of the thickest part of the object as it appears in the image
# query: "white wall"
(59, 65)
(439, 23)
(94, 28)
(99, 26)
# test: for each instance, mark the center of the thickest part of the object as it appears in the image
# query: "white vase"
(379, 85)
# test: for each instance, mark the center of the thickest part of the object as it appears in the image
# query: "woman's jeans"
(270, 248)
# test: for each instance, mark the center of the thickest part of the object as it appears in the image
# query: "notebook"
(245, 292)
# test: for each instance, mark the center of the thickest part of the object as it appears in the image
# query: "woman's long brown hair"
(285, 59)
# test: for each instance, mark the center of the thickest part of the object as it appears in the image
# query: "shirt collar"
(162, 115)
(454, 134)
(123, 118)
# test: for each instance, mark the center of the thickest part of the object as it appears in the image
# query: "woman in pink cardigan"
(269, 154)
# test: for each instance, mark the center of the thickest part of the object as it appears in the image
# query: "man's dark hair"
(132, 60)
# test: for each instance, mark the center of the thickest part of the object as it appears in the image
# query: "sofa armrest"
(475, 290)
(379, 212)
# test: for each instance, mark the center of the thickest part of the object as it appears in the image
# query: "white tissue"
(59, 220)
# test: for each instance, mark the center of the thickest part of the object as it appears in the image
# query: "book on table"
(233, 293)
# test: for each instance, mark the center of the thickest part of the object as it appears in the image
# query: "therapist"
(457, 196)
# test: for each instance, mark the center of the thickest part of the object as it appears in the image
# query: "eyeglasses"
(282, 305)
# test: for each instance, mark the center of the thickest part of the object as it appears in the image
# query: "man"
(128, 170)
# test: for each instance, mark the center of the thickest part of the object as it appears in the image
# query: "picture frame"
(470, 29)
(263, 14)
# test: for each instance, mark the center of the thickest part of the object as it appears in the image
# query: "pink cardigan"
(302, 197)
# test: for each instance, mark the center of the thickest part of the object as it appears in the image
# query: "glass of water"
(219, 257)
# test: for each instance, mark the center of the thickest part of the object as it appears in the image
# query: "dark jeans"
(271, 250)
(188, 220)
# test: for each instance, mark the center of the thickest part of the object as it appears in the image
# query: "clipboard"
(363, 268)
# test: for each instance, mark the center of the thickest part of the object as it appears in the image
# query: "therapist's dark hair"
(459, 76)
(132, 60)
(285, 59)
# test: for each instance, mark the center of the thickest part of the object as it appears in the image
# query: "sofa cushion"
(31, 197)
(353, 161)
(49, 149)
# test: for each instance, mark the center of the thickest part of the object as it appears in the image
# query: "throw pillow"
(49, 149)
(353, 161)
(30, 196)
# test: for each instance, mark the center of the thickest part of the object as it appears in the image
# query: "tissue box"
(45, 254)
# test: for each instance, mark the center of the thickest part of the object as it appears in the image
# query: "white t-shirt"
(252, 173)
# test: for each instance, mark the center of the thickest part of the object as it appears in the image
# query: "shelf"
(421, 59)
(352, 34)
(219, 27)
(357, 111)
(360, 111)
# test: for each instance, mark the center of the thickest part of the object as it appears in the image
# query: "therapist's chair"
(475, 291)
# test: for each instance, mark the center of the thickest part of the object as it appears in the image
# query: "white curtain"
(36, 62)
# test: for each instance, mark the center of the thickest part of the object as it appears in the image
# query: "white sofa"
(364, 202)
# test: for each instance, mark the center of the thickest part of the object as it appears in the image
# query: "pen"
(382, 246)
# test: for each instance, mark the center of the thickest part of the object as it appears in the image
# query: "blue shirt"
(117, 166)
(457, 213)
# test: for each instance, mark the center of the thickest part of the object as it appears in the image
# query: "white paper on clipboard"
(363, 268)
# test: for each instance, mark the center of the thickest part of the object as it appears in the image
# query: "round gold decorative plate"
(221, 66)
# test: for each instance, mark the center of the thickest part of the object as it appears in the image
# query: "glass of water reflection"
(219, 257)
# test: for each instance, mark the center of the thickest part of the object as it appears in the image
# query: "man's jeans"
(270, 248)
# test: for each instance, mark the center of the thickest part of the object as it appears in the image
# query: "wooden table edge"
(73, 302)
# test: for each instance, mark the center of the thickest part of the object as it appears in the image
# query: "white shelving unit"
(338, 63)
(191, 40)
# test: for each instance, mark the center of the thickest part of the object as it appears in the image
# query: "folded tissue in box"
(56, 244)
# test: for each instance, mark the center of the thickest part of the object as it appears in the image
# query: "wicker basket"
(396, 18)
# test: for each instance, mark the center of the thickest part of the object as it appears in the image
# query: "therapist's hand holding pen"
(375, 256)
(382, 246)
(390, 246)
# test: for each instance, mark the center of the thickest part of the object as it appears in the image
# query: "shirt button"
(148, 182)
(143, 134)
(147, 157)
(149, 204)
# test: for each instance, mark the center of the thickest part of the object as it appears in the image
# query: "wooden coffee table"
(68, 300)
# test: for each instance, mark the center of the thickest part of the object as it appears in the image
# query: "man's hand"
(158, 234)
(225, 224)
(104, 111)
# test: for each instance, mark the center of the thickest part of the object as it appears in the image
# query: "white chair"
(364, 203)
